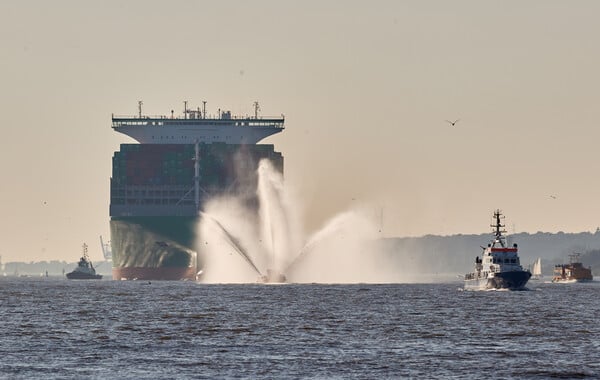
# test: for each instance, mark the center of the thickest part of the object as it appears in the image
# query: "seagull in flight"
(553, 196)
(453, 122)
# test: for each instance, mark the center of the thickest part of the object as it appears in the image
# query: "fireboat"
(499, 266)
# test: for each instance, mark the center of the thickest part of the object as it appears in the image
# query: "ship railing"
(209, 117)
(128, 120)
(479, 274)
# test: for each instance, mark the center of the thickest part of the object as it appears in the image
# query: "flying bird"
(453, 122)
(553, 197)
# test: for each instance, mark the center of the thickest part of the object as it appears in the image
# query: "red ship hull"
(163, 273)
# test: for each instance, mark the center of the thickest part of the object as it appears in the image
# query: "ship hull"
(156, 198)
(514, 280)
(574, 272)
(154, 248)
(83, 276)
(145, 273)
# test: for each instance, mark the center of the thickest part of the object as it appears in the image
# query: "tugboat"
(572, 272)
(85, 270)
(499, 267)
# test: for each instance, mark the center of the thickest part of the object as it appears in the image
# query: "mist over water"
(239, 244)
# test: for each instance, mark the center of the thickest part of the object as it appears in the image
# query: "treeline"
(592, 259)
(54, 268)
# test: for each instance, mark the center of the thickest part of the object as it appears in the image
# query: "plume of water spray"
(240, 242)
(340, 252)
(267, 239)
(227, 230)
(231, 240)
(279, 227)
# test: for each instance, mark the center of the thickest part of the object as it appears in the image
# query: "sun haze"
(365, 88)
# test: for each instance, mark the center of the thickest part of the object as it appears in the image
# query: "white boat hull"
(514, 280)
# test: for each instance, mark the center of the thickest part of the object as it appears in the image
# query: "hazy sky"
(366, 87)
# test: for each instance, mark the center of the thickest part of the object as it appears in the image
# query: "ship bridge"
(196, 127)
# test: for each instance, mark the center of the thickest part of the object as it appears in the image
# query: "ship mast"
(197, 176)
(85, 251)
(256, 109)
(499, 228)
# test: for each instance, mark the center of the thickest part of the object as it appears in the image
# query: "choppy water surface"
(54, 328)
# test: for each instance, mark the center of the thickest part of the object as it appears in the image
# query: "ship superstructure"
(195, 127)
(499, 266)
(159, 186)
(85, 269)
(572, 272)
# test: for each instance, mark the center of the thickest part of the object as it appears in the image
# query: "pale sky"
(366, 87)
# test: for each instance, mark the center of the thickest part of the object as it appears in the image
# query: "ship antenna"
(256, 109)
(140, 108)
(204, 109)
(185, 109)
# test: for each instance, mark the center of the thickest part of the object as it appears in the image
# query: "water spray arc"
(268, 238)
(233, 242)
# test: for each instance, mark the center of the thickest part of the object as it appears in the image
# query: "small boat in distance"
(272, 277)
(499, 266)
(85, 270)
(572, 272)
(536, 271)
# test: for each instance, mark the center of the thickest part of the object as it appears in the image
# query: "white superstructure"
(195, 127)
(499, 266)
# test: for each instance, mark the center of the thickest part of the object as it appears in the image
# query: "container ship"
(160, 184)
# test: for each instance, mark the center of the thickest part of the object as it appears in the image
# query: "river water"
(55, 328)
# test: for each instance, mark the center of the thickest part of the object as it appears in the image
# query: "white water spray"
(238, 243)
(278, 219)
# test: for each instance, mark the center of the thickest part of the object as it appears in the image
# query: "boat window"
(513, 261)
(507, 261)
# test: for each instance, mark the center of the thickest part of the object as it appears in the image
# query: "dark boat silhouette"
(85, 269)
